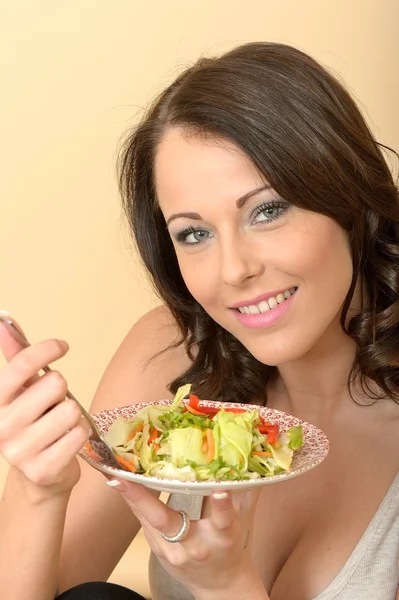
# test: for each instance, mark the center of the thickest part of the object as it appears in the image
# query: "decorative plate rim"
(107, 416)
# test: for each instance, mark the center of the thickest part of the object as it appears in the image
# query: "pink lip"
(259, 299)
(267, 319)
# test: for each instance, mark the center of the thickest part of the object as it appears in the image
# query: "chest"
(306, 528)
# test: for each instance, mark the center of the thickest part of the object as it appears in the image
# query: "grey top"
(370, 573)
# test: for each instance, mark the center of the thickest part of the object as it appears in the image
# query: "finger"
(52, 462)
(26, 365)
(10, 341)
(223, 513)
(153, 538)
(48, 391)
(44, 432)
(150, 509)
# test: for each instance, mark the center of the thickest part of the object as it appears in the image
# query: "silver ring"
(180, 535)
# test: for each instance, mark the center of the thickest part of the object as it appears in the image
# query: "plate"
(313, 452)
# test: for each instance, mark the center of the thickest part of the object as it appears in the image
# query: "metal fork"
(96, 440)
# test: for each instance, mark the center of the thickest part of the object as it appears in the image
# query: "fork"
(96, 440)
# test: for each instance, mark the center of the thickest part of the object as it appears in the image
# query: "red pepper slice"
(272, 432)
(272, 437)
(203, 410)
(210, 410)
(194, 401)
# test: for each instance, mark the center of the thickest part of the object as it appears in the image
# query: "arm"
(33, 565)
(40, 435)
(31, 535)
(127, 380)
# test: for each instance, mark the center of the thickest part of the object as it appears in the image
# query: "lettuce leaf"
(119, 432)
(166, 470)
(145, 448)
(186, 444)
(181, 393)
(295, 437)
(235, 441)
(282, 456)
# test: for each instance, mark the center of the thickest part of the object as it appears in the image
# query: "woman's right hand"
(40, 430)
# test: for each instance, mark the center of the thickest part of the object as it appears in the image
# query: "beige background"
(74, 75)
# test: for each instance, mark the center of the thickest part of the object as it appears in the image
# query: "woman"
(268, 220)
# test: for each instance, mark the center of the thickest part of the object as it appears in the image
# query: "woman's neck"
(317, 383)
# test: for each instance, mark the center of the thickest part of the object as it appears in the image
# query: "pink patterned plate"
(313, 452)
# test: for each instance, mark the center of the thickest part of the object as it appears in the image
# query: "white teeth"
(272, 302)
(266, 305)
(263, 306)
(253, 310)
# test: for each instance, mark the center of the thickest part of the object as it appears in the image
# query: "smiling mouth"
(266, 305)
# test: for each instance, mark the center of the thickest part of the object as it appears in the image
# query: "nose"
(239, 261)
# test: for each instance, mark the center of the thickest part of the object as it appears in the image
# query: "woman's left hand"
(214, 559)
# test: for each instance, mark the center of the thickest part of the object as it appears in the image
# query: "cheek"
(324, 269)
(200, 276)
(317, 254)
(329, 265)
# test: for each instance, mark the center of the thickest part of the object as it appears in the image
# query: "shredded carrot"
(256, 453)
(156, 447)
(125, 463)
(88, 447)
(211, 445)
(136, 430)
(153, 435)
(204, 448)
(195, 412)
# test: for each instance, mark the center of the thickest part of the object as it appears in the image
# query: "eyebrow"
(239, 203)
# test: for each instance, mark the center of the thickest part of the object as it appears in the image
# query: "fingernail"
(64, 344)
(220, 495)
(113, 483)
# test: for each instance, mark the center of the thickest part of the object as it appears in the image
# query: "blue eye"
(265, 213)
(191, 236)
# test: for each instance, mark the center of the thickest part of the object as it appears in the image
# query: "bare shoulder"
(146, 362)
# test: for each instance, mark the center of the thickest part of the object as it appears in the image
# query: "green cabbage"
(235, 437)
(185, 445)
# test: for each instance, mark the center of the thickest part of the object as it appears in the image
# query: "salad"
(193, 442)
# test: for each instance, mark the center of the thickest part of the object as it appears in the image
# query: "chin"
(276, 355)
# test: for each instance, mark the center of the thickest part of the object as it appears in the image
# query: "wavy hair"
(304, 133)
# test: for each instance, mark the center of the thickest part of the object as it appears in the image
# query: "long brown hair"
(305, 134)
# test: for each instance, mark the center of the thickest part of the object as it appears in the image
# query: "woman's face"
(273, 275)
